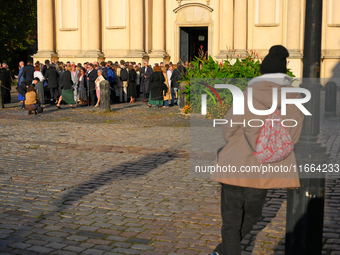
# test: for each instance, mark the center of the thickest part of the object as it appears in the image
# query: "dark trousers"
(138, 89)
(112, 96)
(173, 94)
(93, 100)
(6, 94)
(112, 93)
(54, 93)
(241, 208)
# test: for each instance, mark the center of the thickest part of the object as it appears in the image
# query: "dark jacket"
(145, 82)
(5, 77)
(157, 86)
(66, 80)
(177, 76)
(92, 78)
(22, 88)
(44, 69)
(28, 72)
(132, 76)
(51, 76)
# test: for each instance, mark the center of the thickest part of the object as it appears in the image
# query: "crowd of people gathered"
(79, 84)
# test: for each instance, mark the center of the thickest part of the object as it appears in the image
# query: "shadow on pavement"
(124, 171)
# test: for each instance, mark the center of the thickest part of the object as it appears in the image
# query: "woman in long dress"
(157, 87)
(131, 90)
(67, 92)
(98, 80)
(82, 89)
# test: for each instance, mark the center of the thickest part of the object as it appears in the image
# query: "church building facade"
(173, 30)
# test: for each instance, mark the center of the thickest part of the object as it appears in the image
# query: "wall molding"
(75, 7)
(257, 15)
(193, 5)
(122, 25)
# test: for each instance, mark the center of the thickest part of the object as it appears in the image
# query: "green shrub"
(229, 71)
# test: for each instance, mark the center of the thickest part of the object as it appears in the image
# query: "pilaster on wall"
(240, 27)
(46, 30)
(136, 31)
(293, 33)
(226, 32)
(158, 29)
(94, 30)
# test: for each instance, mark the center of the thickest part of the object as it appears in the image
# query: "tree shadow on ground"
(118, 107)
(125, 171)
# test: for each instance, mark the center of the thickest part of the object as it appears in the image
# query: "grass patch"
(152, 118)
(110, 121)
(100, 113)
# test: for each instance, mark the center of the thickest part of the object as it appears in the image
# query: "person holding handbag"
(243, 194)
(167, 95)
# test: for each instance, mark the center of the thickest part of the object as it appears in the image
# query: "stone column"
(94, 29)
(158, 29)
(137, 29)
(46, 29)
(240, 27)
(226, 27)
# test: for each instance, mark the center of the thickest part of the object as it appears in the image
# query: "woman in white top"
(169, 73)
(39, 87)
(99, 79)
(38, 74)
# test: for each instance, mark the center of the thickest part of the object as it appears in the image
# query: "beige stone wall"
(88, 30)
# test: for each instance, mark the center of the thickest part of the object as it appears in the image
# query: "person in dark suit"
(28, 72)
(44, 69)
(145, 75)
(91, 78)
(6, 78)
(51, 76)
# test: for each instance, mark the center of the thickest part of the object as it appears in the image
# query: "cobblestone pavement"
(77, 181)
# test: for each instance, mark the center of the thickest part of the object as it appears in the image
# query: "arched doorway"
(193, 30)
(193, 42)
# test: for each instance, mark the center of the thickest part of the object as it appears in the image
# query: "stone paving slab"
(83, 186)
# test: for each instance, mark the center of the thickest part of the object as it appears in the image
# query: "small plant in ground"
(186, 109)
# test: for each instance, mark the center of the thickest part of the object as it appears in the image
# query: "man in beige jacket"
(243, 194)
